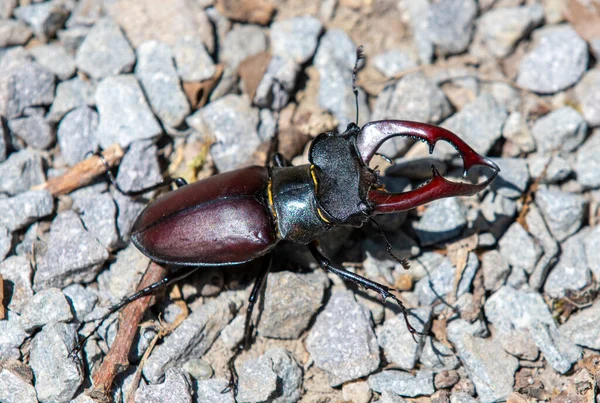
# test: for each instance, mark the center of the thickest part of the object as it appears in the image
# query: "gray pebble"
(44, 18)
(563, 129)
(396, 340)
(74, 255)
(257, 380)
(83, 398)
(583, 328)
(70, 95)
(394, 62)
(227, 84)
(76, 134)
(7, 7)
(571, 273)
(557, 168)
(21, 171)
(513, 177)
(105, 51)
(82, 300)
(86, 12)
(123, 275)
(418, 10)
(290, 302)
(233, 334)
(334, 60)
(437, 356)
(278, 82)
(516, 130)
(558, 60)
(267, 125)
(15, 389)
(18, 270)
(479, 123)
(20, 211)
(440, 281)
(587, 162)
(72, 38)
(462, 397)
(242, 42)
(233, 122)
(289, 375)
(210, 391)
(517, 278)
(128, 210)
(57, 376)
(592, 249)
(5, 242)
(501, 28)
(563, 211)
(22, 84)
(124, 114)
(55, 59)
(198, 369)
(403, 383)
(519, 249)
(156, 72)
(446, 380)
(451, 24)
(35, 131)
(139, 168)
(489, 367)
(193, 61)
(13, 33)
(495, 270)
(296, 38)
(443, 220)
(342, 341)
(192, 338)
(46, 307)
(99, 214)
(175, 388)
(539, 230)
(11, 336)
(587, 92)
(4, 142)
(558, 351)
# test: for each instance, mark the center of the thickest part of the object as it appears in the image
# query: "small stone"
(86, 12)
(334, 61)
(192, 338)
(342, 341)
(176, 388)
(15, 389)
(193, 61)
(233, 334)
(446, 379)
(592, 249)
(290, 302)
(70, 95)
(123, 275)
(20, 211)
(35, 131)
(4, 141)
(57, 376)
(46, 307)
(437, 356)
(43, 18)
(211, 391)
(516, 130)
(156, 72)
(538, 228)
(82, 300)
(582, 328)
(67, 261)
(513, 177)
(105, 51)
(563, 211)
(124, 114)
(558, 351)
(55, 59)
(7, 7)
(402, 383)
(99, 214)
(357, 392)
(242, 42)
(563, 129)
(519, 249)
(490, 368)
(443, 220)
(451, 25)
(394, 62)
(501, 28)
(440, 281)
(139, 168)
(18, 270)
(23, 83)
(11, 336)
(549, 168)
(587, 161)
(72, 38)
(198, 369)
(280, 78)
(479, 123)
(587, 92)
(418, 11)
(462, 397)
(495, 270)
(395, 338)
(5, 242)
(76, 134)
(558, 60)
(296, 38)
(233, 122)
(257, 380)
(13, 33)
(21, 171)
(571, 273)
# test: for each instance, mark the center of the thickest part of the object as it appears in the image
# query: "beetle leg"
(259, 285)
(374, 134)
(384, 291)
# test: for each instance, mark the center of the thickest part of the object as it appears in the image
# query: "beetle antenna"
(360, 55)
(404, 262)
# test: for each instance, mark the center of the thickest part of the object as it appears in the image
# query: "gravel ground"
(504, 285)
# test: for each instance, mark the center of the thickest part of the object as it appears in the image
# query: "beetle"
(239, 216)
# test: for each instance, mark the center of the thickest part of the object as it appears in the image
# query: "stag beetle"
(238, 216)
